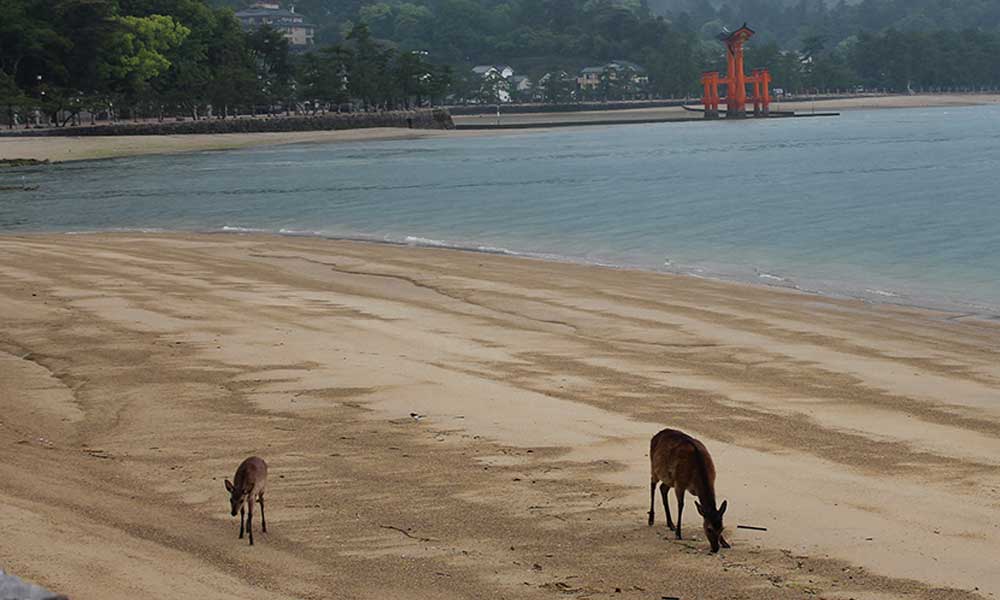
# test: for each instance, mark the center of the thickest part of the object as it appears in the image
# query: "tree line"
(163, 58)
(156, 58)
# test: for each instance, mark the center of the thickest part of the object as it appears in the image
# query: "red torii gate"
(736, 82)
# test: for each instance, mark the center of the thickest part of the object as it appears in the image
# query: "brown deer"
(679, 461)
(248, 485)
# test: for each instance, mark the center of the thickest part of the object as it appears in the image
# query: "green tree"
(269, 50)
(230, 64)
(11, 97)
(29, 43)
(413, 76)
(441, 82)
(325, 76)
(137, 51)
(371, 74)
(557, 87)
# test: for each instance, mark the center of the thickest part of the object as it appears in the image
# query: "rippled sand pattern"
(136, 371)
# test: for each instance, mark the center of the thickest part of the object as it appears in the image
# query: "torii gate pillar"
(736, 81)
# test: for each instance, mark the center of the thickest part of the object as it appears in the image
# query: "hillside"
(790, 22)
(538, 31)
(837, 44)
(535, 35)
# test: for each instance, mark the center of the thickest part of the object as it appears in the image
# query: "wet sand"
(136, 371)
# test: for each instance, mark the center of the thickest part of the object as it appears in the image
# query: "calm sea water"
(895, 205)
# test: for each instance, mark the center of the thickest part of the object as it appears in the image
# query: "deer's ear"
(698, 506)
(229, 486)
(722, 509)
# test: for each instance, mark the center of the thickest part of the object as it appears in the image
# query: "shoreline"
(68, 149)
(58, 149)
(765, 281)
(802, 105)
(864, 439)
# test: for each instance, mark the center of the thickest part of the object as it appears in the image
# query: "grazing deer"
(248, 485)
(679, 461)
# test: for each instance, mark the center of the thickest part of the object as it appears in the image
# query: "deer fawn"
(248, 485)
(679, 461)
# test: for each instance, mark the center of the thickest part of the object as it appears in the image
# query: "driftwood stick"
(751, 527)
(407, 533)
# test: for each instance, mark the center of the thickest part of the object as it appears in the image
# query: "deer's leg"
(242, 511)
(263, 523)
(652, 502)
(679, 492)
(250, 519)
(664, 492)
(723, 542)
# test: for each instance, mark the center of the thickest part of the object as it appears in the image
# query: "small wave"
(300, 232)
(883, 293)
(770, 277)
(237, 229)
(774, 280)
(412, 240)
(496, 250)
(117, 230)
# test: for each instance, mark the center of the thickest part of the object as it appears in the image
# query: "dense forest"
(187, 57)
(131, 58)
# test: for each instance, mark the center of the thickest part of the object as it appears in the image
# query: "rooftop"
(279, 20)
(483, 69)
(266, 10)
(744, 32)
(256, 11)
(615, 65)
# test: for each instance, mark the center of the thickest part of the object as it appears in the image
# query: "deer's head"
(713, 522)
(236, 496)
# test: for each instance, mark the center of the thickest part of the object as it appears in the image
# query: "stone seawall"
(413, 119)
(491, 109)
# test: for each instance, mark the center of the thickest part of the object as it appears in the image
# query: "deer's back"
(251, 475)
(680, 460)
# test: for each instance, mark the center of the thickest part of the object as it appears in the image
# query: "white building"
(505, 71)
(291, 24)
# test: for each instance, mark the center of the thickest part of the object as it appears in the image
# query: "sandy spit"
(802, 104)
(61, 149)
(442, 424)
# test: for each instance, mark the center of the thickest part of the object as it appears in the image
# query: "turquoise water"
(894, 205)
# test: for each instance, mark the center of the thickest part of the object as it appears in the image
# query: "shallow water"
(891, 205)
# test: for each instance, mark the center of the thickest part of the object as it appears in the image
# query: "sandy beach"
(442, 424)
(62, 149)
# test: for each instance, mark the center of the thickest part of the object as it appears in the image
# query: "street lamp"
(41, 98)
